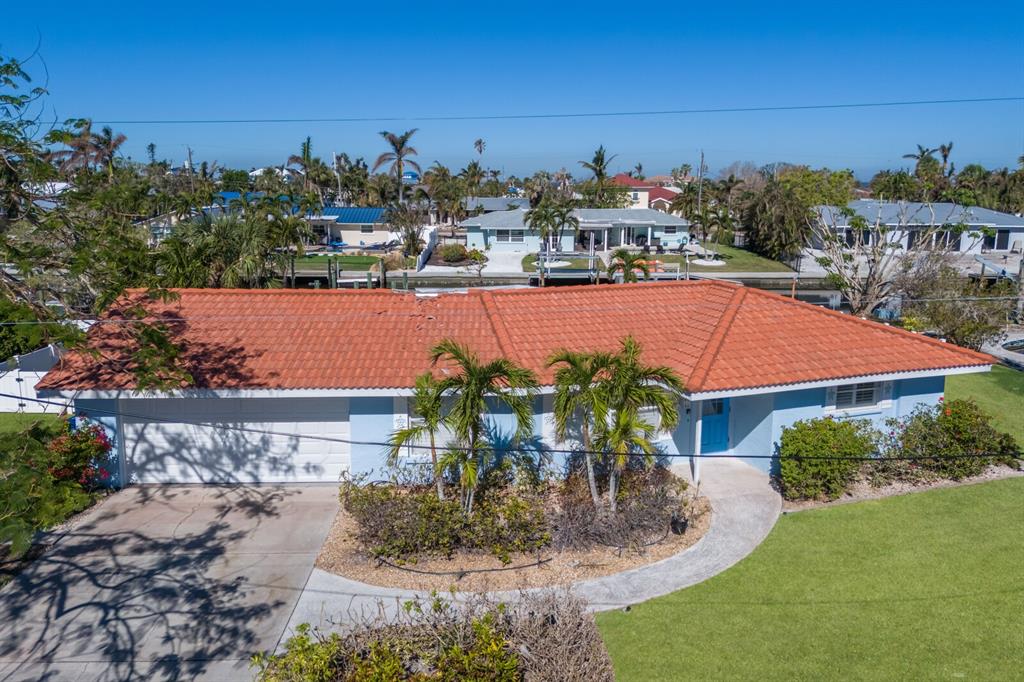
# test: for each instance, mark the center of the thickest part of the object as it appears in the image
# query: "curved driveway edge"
(744, 507)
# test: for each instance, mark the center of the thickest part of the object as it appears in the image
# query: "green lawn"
(921, 586)
(12, 422)
(999, 392)
(574, 263)
(736, 260)
(351, 263)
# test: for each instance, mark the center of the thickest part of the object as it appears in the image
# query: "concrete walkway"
(745, 508)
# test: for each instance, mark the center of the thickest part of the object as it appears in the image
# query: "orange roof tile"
(716, 335)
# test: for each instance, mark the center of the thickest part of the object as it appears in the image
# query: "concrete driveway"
(165, 583)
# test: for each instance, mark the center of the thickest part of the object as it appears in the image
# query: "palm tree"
(598, 165)
(106, 145)
(479, 145)
(80, 152)
(577, 398)
(472, 386)
(427, 403)
(398, 157)
(628, 263)
(638, 171)
(473, 175)
(627, 387)
(304, 160)
(921, 154)
(564, 215)
(944, 151)
(541, 219)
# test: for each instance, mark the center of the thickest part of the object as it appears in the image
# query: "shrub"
(46, 478)
(405, 524)
(453, 253)
(954, 439)
(804, 470)
(540, 637)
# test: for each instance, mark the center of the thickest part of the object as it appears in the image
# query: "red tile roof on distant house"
(628, 180)
(661, 193)
(716, 335)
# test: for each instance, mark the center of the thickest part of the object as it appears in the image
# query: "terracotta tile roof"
(716, 335)
(661, 193)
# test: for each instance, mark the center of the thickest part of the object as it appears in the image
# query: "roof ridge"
(897, 331)
(497, 324)
(717, 340)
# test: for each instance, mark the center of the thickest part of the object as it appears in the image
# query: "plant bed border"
(863, 491)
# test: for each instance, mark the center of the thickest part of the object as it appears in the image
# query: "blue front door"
(714, 428)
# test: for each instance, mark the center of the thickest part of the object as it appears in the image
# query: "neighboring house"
(353, 225)
(906, 220)
(307, 385)
(646, 193)
(19, 376)
(608, 228)
(480, 205)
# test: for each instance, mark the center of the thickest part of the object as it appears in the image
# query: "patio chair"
(659, 249)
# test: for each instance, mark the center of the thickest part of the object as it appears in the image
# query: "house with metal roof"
(969, 229)
(351, 225)
(602, 228)
(307, 385)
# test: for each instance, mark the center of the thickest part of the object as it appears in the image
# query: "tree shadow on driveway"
(192, 583)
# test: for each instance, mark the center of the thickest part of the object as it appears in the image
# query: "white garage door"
(235, 440)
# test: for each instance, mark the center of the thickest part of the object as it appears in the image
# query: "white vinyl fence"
(18, 379)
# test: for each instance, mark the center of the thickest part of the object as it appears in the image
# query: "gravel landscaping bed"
(863, 490)
(342, 555)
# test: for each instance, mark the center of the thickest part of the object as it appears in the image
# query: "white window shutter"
(830, 396)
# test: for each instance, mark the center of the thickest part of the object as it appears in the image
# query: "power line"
(602, 114)
(448, 448)
(349, 314)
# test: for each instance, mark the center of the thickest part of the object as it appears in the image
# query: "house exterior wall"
(353, 235)
(476, 238)
(756, 423)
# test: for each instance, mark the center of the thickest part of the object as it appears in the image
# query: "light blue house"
(969, 229)
(604, 228)
(295, 386)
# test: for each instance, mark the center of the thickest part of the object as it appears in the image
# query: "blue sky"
(186, 60)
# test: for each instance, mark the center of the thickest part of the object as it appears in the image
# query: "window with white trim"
(366, 229)
(510, 236)
(857, 395)
(669, 229)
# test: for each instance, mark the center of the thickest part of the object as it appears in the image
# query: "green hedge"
(811, 452)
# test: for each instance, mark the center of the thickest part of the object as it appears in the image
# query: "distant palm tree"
(944, 151)
(398, 157)
(427, 404)
(106, 145)
(304, 160)
(80, 152)
(479, 145)
(921, 154)
(542, 219)
(1020, 160)
(472, 386)
(473, 174)
(628, 263)
(598, 165)
(578, 399)
(638, 171)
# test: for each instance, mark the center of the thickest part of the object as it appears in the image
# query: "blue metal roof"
(354, 215)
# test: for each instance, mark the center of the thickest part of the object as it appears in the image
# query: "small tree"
(863, 258)
(473, 384)
(626, 388)
(628, 264)
(578, 398)
(427, 405)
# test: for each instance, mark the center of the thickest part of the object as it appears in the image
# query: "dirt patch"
(342, 555)
(863, 490)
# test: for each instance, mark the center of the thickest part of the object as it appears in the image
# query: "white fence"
(424, 256)
(18, 379)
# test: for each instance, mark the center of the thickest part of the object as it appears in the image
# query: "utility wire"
(601, 114)
(553, 451)
(448, 314)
